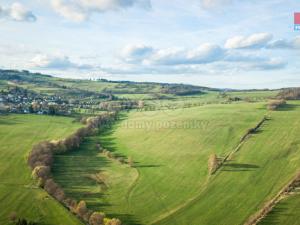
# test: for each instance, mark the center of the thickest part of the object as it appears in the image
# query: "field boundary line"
(244, 138)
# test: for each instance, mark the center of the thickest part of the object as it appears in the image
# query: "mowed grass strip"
(265, 163)
(170, 150)
(18, 133)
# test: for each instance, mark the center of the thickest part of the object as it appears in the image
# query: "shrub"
(97, 218)
(13, 217)
(115, 221)
(213, 163)
(71, 204)
(42, 172)
(41, 155)
(275, 104)
(81, 209)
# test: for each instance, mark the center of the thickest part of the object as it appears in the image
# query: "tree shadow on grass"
(107, 141)
(127, 219)
(73, 171)
(287, 107)
(139, 165)
(237, 167)
(274, 216)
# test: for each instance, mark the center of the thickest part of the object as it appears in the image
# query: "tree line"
(289, 94)
(40, 161)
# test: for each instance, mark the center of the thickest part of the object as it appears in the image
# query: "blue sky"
(217, 43)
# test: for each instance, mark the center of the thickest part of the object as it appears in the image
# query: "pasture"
(18, 193)
(170, 149)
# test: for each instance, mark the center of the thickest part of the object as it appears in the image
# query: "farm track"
(132, 186)
(181, 206)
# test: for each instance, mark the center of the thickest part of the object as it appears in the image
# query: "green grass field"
(170, 149)
(265, 163)
(285, 212)
(18, 133)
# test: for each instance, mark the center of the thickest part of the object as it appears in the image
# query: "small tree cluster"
(290, 94)
(121, 160)
(54, 189)
(93, 218)
(213, 163)
(97, 218)
(112, 221)
(275, 104)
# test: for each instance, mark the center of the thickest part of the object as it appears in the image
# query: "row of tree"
(40, 160)
(290, 94)
(112, 156)
(268, 206)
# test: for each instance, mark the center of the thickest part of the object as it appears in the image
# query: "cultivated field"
(18, 193)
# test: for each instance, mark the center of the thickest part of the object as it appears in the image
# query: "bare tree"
(97, 218)
(213, 163)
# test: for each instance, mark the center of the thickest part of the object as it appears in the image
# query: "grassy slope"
(18, 133)
(262, 167)
(285, 212)
(86, 161)
(171, 163)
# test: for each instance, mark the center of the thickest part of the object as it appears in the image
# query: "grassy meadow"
(18, 133)
(285, 212)
(170, 149)
(264, 164)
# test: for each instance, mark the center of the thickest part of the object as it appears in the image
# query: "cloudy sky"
(217, 43)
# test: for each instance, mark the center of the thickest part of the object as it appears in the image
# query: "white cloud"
(285, 44)
(205, 53)
(146, 60)
(80, 10)
(208, 4)
(44, 61)
(17, 12)
(253, 41)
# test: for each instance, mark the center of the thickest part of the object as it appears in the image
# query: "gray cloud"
(271, 64)
(136, 53)
(17, 12)
(285, 44)
(56, 62)
(80, 10)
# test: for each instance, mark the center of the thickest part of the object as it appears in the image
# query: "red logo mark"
(297, 18)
